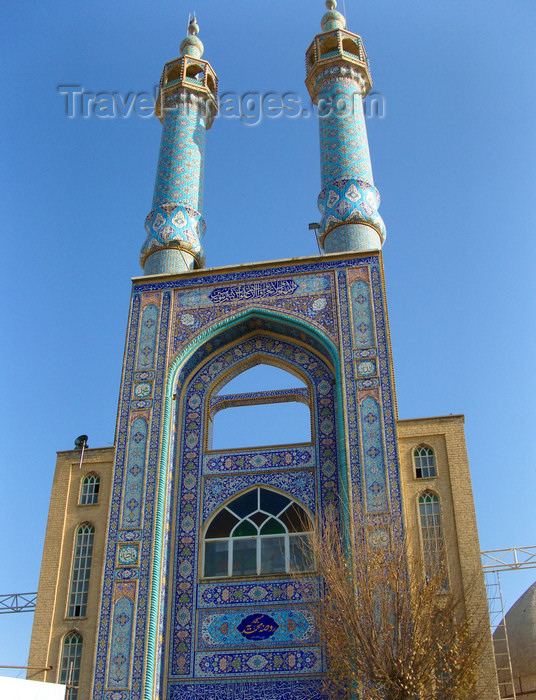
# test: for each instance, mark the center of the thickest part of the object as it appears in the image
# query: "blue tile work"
(196, 397)
(314, 689)
(180, 170)
(344, 151)
(149, 330)
(310, 297)
(175, 220)
(106, 647)
(281, 661)
(348, 195)
(284, 330)
(218, 403)
(352, 237)
(281, 591)
(362, 326)
(123, 621)
(132, 498)
(220, 629)
(219, 462)
(215, 293)
(387, 395)
(298, 483)
(375, 476)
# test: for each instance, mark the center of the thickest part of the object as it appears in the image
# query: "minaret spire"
(338, 80)
(186, 107)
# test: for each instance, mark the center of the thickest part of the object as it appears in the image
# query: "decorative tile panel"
(222, 629)
(310, 297)
(371, 429)
(214, 463)
(304, 590)
(283, 661)
(363, 327)
(196, 397)
(300, 484)
(132, 498)
(148, 334)
(296, 689)
(121, 638)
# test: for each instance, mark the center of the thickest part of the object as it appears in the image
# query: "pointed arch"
(259, 531)
(81, 570)
(205, 345)
(69, 666)
(432, 536)
(273, 417)
(89, 490)
(424, 462)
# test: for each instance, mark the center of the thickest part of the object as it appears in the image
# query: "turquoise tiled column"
(338, 80)
(186, 107)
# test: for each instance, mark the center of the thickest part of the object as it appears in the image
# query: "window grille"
(260, 532)
(71, 654)
(89, 494)
(425, 467)
(83, 550)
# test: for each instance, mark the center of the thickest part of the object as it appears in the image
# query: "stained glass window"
(259, 532)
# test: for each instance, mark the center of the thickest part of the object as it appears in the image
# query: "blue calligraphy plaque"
(257, 627)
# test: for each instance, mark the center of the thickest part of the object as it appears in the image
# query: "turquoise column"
(338, 80)
(186, 107)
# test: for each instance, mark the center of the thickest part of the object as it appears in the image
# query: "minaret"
(186, 107)
(338, 80)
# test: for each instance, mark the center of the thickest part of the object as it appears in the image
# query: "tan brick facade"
(445, 435)
(65, 516)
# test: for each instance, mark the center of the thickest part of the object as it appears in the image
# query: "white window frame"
(258, 537)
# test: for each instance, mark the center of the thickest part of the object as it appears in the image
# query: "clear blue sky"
(453, 158)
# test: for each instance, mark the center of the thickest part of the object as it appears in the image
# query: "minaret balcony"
(192, 74)
(335, 48)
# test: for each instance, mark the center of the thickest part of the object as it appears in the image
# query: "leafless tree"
(389, 630)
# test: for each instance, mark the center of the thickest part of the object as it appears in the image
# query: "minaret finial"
(192, 45)
(332, 19)
(193, 27)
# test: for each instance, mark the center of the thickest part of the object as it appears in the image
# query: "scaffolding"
(495, 561)
(17, 602)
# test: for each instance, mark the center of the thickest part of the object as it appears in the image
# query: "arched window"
(83, 551)
(71, 653)
(263, 405)
(329, 46)
(433, 544)
(260, 532)
(89, 493)
(425, 466)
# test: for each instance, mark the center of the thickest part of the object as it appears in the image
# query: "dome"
(192, 45)
(521, 628)
(332, 19)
